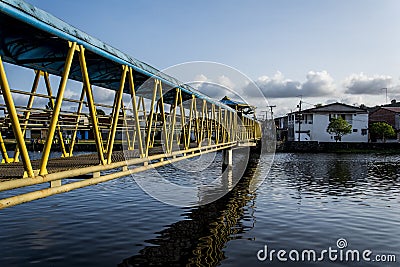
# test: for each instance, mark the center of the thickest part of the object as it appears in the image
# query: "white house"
(311, 124)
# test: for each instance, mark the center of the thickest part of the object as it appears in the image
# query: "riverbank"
(339, 147)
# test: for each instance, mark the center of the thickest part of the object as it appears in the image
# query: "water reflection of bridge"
(159, 119)
(199, 240)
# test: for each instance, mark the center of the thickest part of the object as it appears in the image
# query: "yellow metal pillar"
(5, 88)
(50, 93)
(162, 110)
(225, 127)
(196, 121)
(92, 108)
(128, 138)
(171, 137)
(230, 126)
(218, 129)
(112, 113)
(234, 127)
(150, 122)
(136, 112)
(212, 123)
(117, 108)
(5, 159)
(27, 113)
(183, 121)
(116, 93)
(56, 110)
(202, 128)
(189, 133)
(78, 116)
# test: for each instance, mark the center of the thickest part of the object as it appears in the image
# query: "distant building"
(388, 114)
(311, 124)
(281, 124)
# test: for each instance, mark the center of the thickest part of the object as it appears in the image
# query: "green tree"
(49, 106)
(381, 130)
(338, 127)
(100, 112)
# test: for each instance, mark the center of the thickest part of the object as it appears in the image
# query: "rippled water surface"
(307, 202)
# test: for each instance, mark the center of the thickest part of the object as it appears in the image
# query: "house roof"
(241, 106)
(393, 109)
(335, 107)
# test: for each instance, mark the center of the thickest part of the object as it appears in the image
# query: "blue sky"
(325, 50)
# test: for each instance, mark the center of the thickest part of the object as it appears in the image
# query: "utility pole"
(272, 113)
(299, 119)
(385, 88)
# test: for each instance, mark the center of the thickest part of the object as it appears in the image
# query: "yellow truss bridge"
(163, 122)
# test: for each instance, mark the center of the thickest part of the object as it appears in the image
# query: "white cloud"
(361, 84)
(200, 78)
(316, 84)
(103, 96)
(217, 88)
(226, 82)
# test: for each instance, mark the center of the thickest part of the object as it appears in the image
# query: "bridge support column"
(226, 158)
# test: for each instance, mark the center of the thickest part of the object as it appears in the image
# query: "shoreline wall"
(323, 147)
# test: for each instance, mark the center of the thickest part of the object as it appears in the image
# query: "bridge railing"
(83, 95)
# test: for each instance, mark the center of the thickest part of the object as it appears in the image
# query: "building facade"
(311, 124)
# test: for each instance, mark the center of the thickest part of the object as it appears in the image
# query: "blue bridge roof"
(33, 38)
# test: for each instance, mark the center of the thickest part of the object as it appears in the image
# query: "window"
(308, 118)
(364, 131)
(355, 130)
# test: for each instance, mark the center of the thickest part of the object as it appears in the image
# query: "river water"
(307, 202)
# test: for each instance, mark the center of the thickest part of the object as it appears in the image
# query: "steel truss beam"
(196, 127)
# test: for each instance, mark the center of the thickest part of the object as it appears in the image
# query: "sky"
(326, 51)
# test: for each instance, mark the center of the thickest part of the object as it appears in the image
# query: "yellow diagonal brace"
(162, 110)
(6, 159)
(56, 110)
(27, 113)
(116, 94)
(135, 112)
(50, 93)
(189, 133)
(149, 126)
(154, 130)
(113, 130)
(217, 136)
(71, 148)
(183, 121)
(5, 88)
(92, 108)
(128, 138)
(196, 121)
(171, 137)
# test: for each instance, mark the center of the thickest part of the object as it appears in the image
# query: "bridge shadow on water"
(199, 240)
